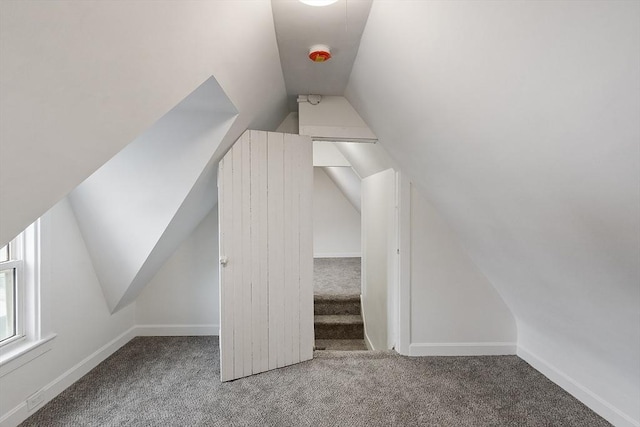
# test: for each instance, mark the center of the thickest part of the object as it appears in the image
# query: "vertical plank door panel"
(246, 256)
(275, 202)
(306, 251)
(235, 258)
(293, 147)
(266, 295)
(258, 252)
(288, 249)
(260, 168)
(226, 295)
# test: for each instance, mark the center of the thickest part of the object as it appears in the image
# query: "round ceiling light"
(318, 2)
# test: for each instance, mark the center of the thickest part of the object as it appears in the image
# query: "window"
(21, 338)
(11, 291)
(20, 293)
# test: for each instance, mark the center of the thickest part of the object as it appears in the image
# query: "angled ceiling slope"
(347, 182)
(519, 121)
(136, 209)
(299, 26)
(80, 80)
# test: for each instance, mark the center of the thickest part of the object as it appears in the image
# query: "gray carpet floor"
(173, 381)
(336, 276)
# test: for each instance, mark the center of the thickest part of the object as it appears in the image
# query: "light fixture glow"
(318, 2)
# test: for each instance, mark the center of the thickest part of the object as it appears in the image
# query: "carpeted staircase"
(338, 322)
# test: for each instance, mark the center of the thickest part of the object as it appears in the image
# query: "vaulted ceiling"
(517, 120)
(81, 80)
(299, 26)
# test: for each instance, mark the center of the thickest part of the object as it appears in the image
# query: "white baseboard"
(367, 341)
(600, 406)
(176, 330)
(463, 349)
(586, 396)
(57, 386)
(339, 255)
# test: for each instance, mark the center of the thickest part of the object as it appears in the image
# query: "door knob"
(224, 260)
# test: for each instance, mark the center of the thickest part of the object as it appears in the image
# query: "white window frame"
(28, 343)
(16, 262)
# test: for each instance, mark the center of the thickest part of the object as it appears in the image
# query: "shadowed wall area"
(175, 381)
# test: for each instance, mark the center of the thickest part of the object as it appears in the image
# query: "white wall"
(366, 159)
(184, 292)
(452, 302)
(334, 119)
(73, 308)
(519, 123)
(348, 183)
(289, 124)
(181, 299)
(124, 209)
(378, 244)
(443, 280)
(75, 92)
(336, 223)
(326, 153)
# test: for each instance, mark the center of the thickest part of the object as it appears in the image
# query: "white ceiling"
(92, 90)
(519, 122)
(299, 26)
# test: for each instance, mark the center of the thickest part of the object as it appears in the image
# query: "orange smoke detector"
(319, 53)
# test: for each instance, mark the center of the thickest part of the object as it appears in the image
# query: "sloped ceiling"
(519, 121)
(347, 182)
(80, 80)
(298, 26)
(138, 207)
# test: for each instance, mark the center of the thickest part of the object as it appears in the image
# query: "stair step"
(338, 326)
(335, 297)
(341, 345)
(337, 319)
(324, 305)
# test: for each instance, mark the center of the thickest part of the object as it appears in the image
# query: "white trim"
(339, 255)
(26, 247)
(15, 416)
(463, 349)
(32, 281)
(17, 309)
(367, 341)
(393, 269)
(20, 413)
(403, 193)
(339, 133)
(23, 354)
(176, 330)
(57, 386)
(596, 403)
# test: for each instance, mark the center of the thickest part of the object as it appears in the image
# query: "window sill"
(23, 353)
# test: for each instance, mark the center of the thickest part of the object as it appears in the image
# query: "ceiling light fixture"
(318, 2)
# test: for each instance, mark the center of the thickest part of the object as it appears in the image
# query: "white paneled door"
(265, 185)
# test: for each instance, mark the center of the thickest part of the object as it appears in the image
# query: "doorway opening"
(338, 322)
(356, 250)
